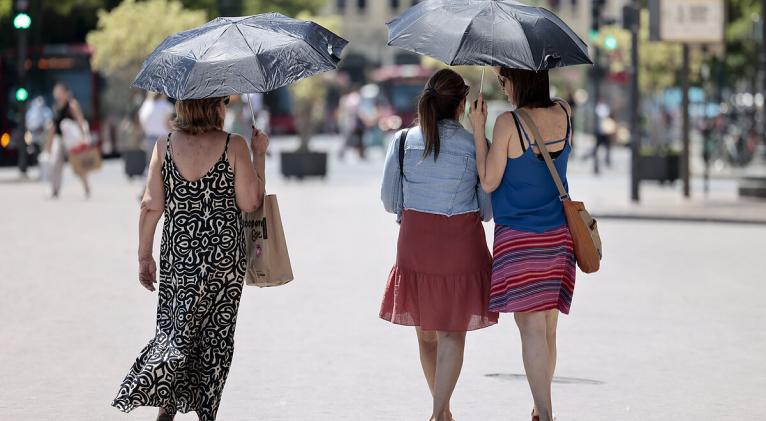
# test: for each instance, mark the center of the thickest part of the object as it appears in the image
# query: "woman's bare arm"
(250, 174)
(490, 160)
(152, 207)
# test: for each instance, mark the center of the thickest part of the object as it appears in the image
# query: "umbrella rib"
(213, 43)
(462, 41)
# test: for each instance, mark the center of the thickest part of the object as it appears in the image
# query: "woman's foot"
(164, 416)
(535, 415)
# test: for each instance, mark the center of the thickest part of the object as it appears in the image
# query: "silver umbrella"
(239, 55)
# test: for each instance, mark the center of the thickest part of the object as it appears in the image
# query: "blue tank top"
(527, 198)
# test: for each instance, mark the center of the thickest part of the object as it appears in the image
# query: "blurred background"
(678, 82)
(669, 154)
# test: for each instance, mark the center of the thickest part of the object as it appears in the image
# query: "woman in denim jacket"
(440, 282)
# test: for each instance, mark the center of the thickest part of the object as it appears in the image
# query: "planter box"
(303, 164)
(661, 168)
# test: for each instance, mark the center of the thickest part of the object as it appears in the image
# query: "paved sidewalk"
(671, 328)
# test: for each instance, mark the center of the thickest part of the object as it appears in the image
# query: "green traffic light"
(593, 34)
(610, 43)
(22, 21)
(22, 94)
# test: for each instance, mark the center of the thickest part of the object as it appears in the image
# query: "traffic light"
(22, 94)
(22, 21)
(610, 42)
(595, 17)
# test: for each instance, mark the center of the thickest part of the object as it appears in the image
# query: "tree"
(127, 34)
(310, 94)
(286, 7)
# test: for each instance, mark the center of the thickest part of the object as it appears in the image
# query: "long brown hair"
(530, 89)
(440, 99)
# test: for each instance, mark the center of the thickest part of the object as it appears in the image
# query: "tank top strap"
(569, 120)
(520, 130)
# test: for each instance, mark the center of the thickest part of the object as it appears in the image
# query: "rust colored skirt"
(441, 280)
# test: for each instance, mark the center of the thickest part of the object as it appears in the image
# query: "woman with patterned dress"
(201, 179)
(440, 282)
(533, 268)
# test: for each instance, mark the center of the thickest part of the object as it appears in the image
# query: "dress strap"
(167, 146)
(226, 148)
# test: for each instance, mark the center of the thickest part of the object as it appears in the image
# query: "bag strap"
(402, 140)
(563, 195)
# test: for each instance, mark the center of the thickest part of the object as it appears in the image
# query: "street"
(670, 328)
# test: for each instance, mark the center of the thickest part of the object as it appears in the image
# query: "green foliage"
(5, 9)
(286, 7)
(127, 34)
(741, 48)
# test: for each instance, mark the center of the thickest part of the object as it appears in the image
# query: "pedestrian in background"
(202, 179)
(533, 269)
(606, 127)
(440, 282)
(67, 112)
(155, 115)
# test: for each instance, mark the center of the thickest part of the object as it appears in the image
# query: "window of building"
(395, 4)
(340, 6)
(361, 5)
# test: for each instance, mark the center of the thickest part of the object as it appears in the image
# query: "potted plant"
(659, 164)
(309, 98)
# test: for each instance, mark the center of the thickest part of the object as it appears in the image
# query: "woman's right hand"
(259, 142)
(147, 272)
(478, 115)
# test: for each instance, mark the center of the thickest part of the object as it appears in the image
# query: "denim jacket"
(447, 186)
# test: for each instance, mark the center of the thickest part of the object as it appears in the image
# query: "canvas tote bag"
(582, 226)
(268, 263)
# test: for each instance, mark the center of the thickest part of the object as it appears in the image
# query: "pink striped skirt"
(532, 271)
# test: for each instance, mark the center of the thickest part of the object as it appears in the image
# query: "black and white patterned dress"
(202, 265)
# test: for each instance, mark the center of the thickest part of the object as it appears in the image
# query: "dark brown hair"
(440, 99)
(197, 116)
(530, 89)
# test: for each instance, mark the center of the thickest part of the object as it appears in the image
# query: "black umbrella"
(230, 56)
(501, 33)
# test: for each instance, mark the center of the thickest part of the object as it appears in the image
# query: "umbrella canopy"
(230, 56)
(501, 33)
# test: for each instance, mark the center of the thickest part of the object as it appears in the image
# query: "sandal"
(534, 417)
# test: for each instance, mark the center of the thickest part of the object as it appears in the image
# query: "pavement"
(670, 328)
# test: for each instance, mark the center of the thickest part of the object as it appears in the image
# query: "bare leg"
(85, 185)
(535, 353)
(427, 344)
(57, 167)
(449, 362)
(551, 322)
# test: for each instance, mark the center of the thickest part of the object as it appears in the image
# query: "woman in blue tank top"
(533, 267)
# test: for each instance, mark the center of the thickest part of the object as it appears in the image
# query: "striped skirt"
(532, 271)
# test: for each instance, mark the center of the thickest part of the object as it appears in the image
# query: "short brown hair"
(530, 88)
(197, 116)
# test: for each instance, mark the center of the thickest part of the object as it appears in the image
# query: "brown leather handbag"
(582, 226)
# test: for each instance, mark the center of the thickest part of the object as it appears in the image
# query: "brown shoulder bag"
(582, 226)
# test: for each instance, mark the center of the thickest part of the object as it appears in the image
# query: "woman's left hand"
(147, 272)
(478, 115)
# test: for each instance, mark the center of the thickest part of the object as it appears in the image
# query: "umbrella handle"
(481, 85)
(252, 113)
